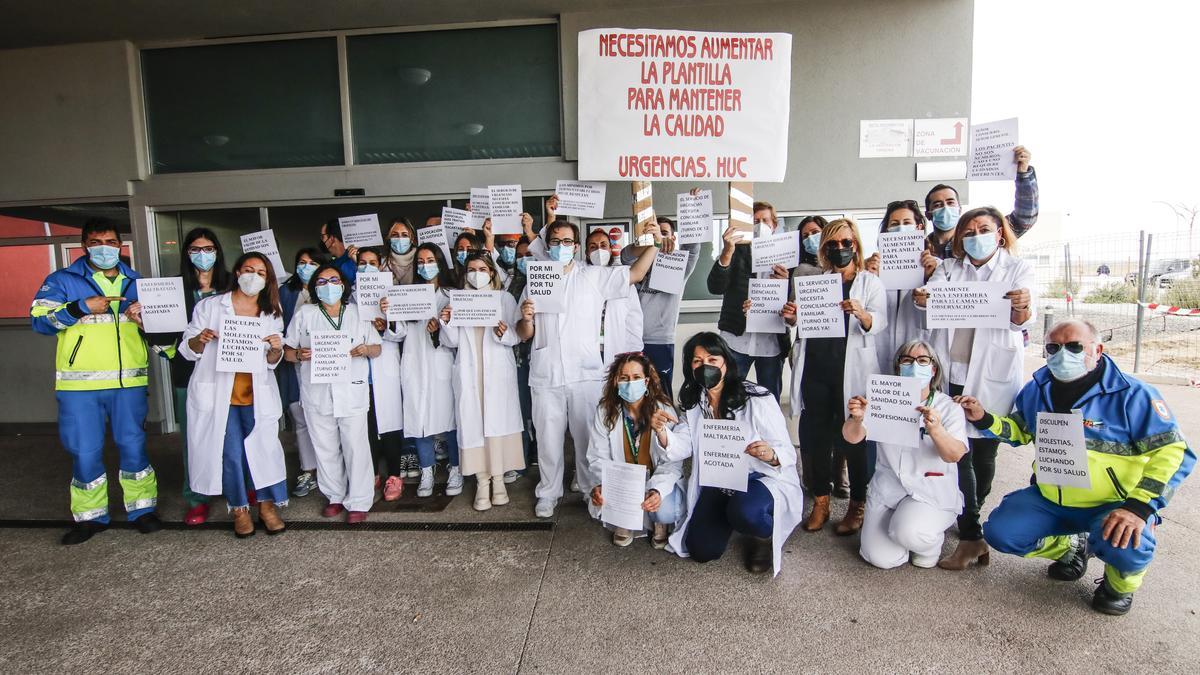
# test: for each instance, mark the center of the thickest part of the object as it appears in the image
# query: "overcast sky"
(1108, 96)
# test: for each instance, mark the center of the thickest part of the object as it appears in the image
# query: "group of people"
(493, 402)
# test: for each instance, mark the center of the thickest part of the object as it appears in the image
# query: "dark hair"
(220, 274)
(611, 403)
(819, 220)
(473, 238)
(563, 223)
(333, 228)
(312, 283)
(446, 277)
(370, 249)
(909, 204)
(294, 282)
(935, 188)
(1008, 239)
(268, 298)
(98, 225)
(736, 390)
(486, 257)
(663, 220)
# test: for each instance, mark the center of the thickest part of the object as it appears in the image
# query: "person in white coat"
(984, 363)
(566, 367)
(426, 375)
(485, 389)
(773, 503)
(826, 372)
(914, 493)
(337, 411)
(621, 328)
(632, 404)
(904, 322)
(233, 429)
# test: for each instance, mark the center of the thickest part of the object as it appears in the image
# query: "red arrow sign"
(958, 127)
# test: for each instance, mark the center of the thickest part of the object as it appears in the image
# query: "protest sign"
(623, 487)
(580, 198)
(544, 286)
(413, 302)
(240, 346)
(369, 289)
(481, 208)
(469, 309)
(330, 362)
(1062, 451)
(263, 241)
(361, 230)
(163, 307)
(900, 260)
(504, 204)
(767, 298)
(992, 145)
(455, 222)
(968, 304)
(694, 216)
(667, 273)
(892, 415)
(435, 234)
(723, 459)
(819, 306)
(777, 249)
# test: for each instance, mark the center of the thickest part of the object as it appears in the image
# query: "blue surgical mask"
(428, 271)
(508, 254)
(329, 294)
(812, 243)
(305, 271)
(521, 262)
(946, 217)
(204, 260)
(903, 227)
(631, 391)
(1067, 367)
(104, 257)
(980, 246)
(924, 373)
(461, 257)
(563, 254)
(367, 268)
(400, 245)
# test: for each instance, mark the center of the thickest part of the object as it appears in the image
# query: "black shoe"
(1074, 562)
(1108, 601)
(82, 531)
(148, 523)
(758, 555)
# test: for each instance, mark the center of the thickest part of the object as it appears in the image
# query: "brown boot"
(243, 525)
(819, 514)
(853, 520)
(966, 553)
(269, 515)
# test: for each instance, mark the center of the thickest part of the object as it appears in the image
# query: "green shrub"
(1058, 288)
(1183, 293)
(1113, 293)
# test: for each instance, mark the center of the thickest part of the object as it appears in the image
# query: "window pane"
(243, 106)
(227, 225)
(482, 93)
(22, 269)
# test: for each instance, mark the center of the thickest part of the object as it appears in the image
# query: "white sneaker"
(510, 476)
(924, 562)
(455, 483)
(622, 537)
(545, 508)
(574, 485)
(425, 488)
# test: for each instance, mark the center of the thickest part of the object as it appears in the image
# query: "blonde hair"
(827, 233)
(1008, 238)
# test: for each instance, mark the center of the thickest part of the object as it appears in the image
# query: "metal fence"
(1109, 280)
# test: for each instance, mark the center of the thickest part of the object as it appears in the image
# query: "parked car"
(1165, 272)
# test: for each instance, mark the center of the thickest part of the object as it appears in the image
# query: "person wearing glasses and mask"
(621, 326)
(773, 503)
(914, 493)
(827, 372)
(293, 293)
(1137, 458)
(566, 365)
(984, 363)
(904, 321)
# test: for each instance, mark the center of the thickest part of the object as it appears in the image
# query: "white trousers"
(344, 473)
(308, 455)
(889, 535)
(557, 410)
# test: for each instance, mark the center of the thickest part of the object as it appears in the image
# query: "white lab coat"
(622, 325)
(501, 405)
(426, 376)
(208, 405)
(921, 473)
(608, 445)
(342, 399)
(766, 422)
(995, 373)
(904, 323)
(386, 397)
(862, 358)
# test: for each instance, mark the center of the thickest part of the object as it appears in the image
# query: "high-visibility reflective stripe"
(46, 302)
(137, 475)
(55, 322)
(90, 375)
(140, 504)
(102, 318)
(89, 486)
(90, 515)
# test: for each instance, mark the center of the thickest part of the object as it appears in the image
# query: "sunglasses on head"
(1073, 347)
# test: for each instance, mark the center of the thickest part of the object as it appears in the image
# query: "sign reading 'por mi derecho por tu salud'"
(669, 105)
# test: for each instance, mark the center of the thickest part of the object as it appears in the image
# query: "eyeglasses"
(202, 249)
(328, 281)
(560, 242)
(839, 243)
(1073, 347)
(919, 360)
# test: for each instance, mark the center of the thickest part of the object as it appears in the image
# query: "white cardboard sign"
(469, 309)
(263, 241)
(767, 298)
(361, 230)
(723, 459)
(413, 302)
(668, 271)
(544, 285)
(992, 145)
(777, 249)
(892, 415)
(504, 202)
(435, 234)
(968, 304)
(900, 260)
(163, 306)
(1062, 450)
(240, 346)
(694, 216)
(369, 289)
(481, 207)
(580, 198)
(819, 306)
(330, 362)
(623, 487)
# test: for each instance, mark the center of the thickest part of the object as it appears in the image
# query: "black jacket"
(733, 285)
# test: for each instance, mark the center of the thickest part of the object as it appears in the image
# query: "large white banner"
(670, 105)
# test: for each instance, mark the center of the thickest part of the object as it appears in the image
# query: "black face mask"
(707, 376)
(841, 257)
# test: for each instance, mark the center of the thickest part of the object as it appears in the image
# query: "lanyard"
(627, 424)
(928, 402)
(341, 311)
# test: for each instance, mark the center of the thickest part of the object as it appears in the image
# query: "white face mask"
(600, 257)
(251, 283)
(478, 280)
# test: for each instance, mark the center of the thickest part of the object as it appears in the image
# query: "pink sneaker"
(332, 510)
(393, 489)
(356, 517)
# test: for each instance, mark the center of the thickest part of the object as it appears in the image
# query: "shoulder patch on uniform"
(1093, 424)
(45, 287)
(1160, 407)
